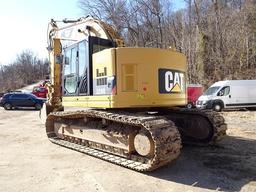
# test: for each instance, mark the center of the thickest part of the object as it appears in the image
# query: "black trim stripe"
(241, 104)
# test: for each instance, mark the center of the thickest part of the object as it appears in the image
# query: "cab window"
(70, 70)
(67, 70)
(73, 60)
(82, 60)
(224, 91)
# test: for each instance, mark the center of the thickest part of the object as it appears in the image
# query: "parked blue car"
(18, 99)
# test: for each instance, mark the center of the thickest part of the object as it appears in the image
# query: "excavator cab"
(77, 66)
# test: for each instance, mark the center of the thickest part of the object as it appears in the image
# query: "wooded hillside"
(26, 69)
(217, 36)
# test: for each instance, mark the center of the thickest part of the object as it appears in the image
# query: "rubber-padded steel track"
(164, 133)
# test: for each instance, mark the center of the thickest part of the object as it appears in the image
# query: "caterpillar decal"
(171, 81)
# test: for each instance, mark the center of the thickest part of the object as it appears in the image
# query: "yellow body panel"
(88, 101)
(105, 58)
(137, 79)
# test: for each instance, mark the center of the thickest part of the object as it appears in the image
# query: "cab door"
(224, 95)
(83, 68)
(70, 77)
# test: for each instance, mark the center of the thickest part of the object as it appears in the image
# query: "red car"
(194, 92)
(40, 91)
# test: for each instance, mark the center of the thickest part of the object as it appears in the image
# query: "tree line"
(217, 36)
(25, 70)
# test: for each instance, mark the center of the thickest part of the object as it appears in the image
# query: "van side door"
(225, 96)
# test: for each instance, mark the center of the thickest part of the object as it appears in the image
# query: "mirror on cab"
(59, 59)
(66, 60)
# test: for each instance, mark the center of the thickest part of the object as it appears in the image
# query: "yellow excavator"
(122, 104)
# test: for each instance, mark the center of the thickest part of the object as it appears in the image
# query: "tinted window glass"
(97, 48)
(224, 91)
(70, 78)
(73, 61)
(211, 91)
(19, 96)
(83, 46)
(70, 84)
(41, 89)
(68, 60)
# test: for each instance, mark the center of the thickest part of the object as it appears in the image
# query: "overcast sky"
(24, 24)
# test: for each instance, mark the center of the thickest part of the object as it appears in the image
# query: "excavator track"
(164, 134)
(167, 127)
(191, 122)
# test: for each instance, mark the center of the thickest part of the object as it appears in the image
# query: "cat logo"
(171, 81)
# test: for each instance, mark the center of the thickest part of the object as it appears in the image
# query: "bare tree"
(217, 36)
(26, 69)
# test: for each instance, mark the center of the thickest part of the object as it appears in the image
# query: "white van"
(229, 94)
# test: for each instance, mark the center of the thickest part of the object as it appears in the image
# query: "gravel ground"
(29, 162)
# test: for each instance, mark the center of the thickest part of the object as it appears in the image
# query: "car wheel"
(7, 106)
(189, 105)
(217, 107)
(38, 106)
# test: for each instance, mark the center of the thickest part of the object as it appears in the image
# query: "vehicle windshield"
(211, 90)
